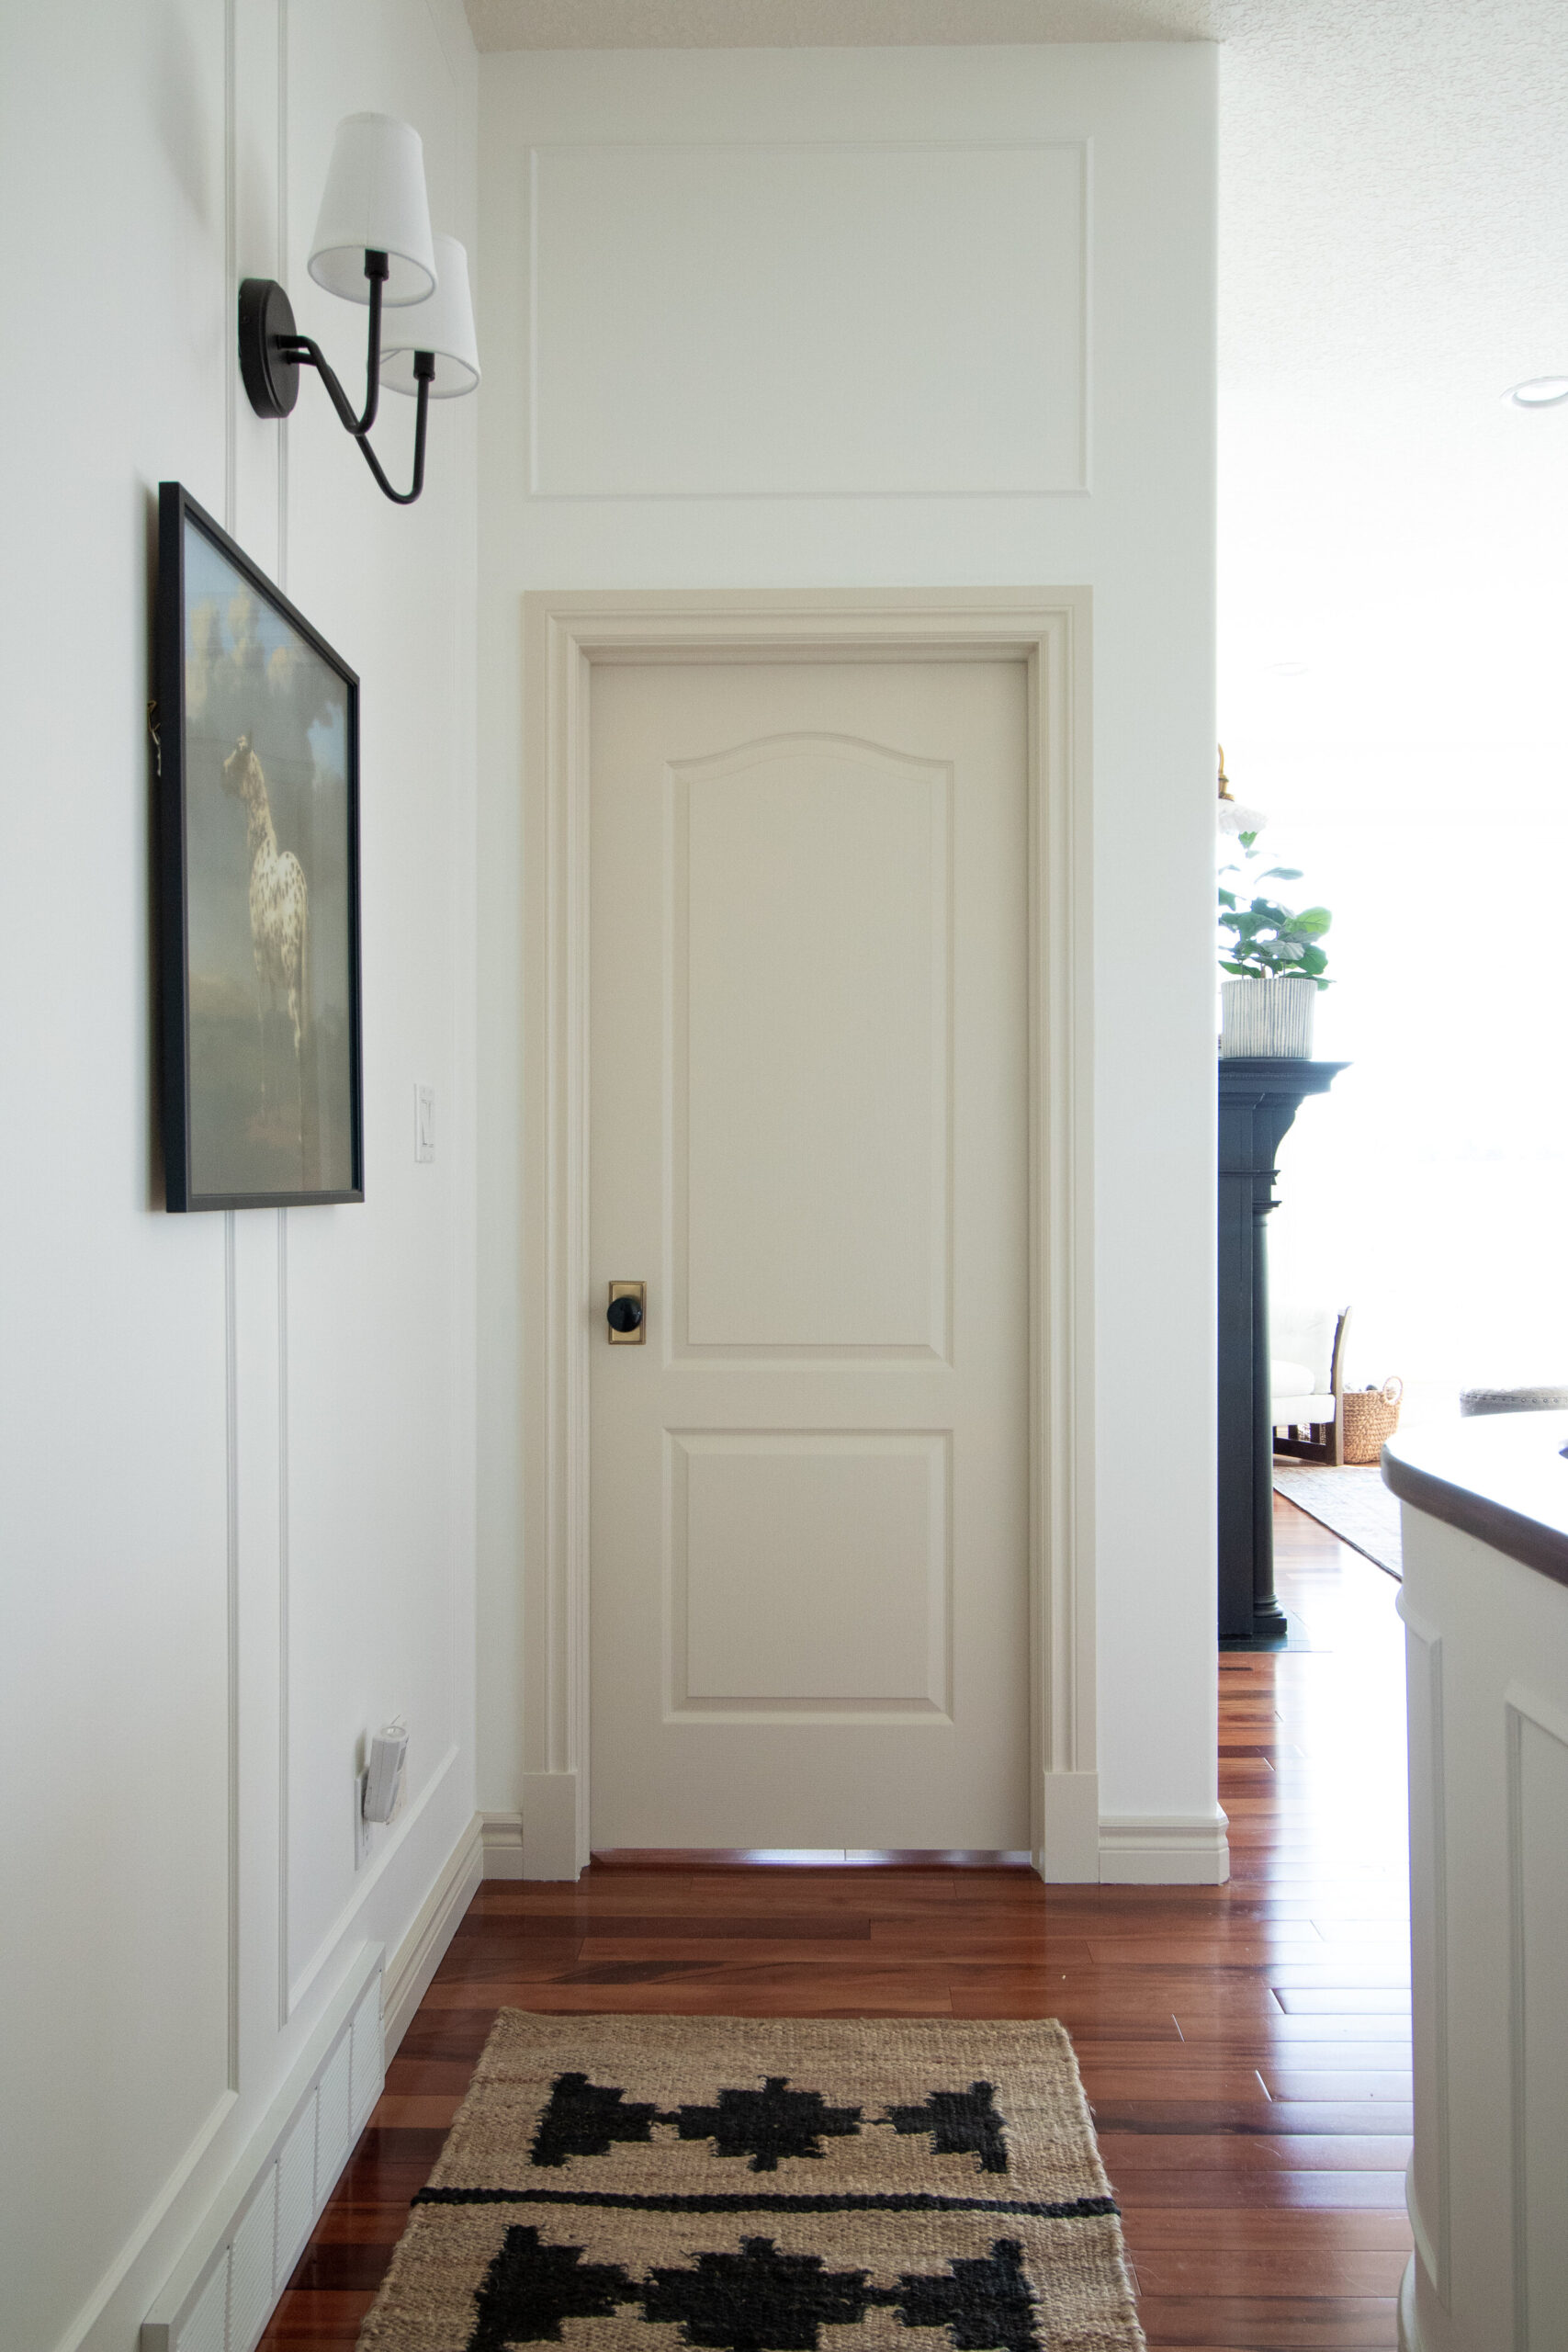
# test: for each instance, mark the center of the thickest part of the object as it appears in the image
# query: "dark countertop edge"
(1515, 1534)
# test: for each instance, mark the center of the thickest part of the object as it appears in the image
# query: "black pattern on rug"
(587, 2119)
(755, 2301)
(960, 2123)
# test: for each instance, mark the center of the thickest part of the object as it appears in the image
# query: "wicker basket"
(1371, 1416)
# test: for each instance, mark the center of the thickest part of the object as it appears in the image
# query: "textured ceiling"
(830, 24)
(1393, 254)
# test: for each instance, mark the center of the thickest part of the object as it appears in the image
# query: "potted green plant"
(1274, 958)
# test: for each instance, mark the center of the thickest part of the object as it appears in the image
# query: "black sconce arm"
(272, 351)
(424, 375)
(302, 347)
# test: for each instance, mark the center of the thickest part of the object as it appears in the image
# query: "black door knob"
(623, 1314)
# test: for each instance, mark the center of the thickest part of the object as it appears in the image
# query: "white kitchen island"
(1485, 1609)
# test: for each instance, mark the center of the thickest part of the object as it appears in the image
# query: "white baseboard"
(419, 1955)
(502, 1839)
(549, 1826)
(1079, 1849)
(1069, 1851)
(221, 2292)
(540, 1841)
(1164, 1849)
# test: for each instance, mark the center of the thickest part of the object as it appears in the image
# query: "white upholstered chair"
(1306, 1348)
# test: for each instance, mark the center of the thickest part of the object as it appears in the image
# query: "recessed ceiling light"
(1539, 391)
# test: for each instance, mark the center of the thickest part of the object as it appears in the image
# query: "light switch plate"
(424, 1123)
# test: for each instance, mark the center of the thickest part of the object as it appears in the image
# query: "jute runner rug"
(640, 2183)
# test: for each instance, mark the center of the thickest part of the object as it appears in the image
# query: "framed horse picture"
(258, 732)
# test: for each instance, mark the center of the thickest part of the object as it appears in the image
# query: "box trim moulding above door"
(565, 635)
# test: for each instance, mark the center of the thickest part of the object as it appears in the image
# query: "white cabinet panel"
(1427, 2194)
(251, 2268)
(297, 2188)
(204, 2330)
(332, 2119)
(1487, 1660)
(1541, 1994)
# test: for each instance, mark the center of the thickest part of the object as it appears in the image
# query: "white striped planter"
(1270, 1019)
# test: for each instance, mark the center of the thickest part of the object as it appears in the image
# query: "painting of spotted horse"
(280, 933)
(256, 717)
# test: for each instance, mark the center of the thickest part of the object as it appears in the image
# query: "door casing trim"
(1048, 630)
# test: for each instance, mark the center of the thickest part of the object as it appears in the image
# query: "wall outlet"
(384, 1773)
(424, 1123)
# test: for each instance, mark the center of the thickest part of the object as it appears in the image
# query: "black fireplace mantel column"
(1258, 1099)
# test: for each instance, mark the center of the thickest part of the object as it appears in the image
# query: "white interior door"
(809, 1509)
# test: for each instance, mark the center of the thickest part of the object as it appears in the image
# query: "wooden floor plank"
(1246, 2323)
(1245, 2048)
(1270, 2271)
(1141, 2153)
(1246, 2196)
(1192, 2229)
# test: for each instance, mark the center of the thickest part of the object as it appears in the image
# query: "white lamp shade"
(375, 202)
(443, 323)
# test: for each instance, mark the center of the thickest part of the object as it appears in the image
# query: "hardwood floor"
(1245, 2048)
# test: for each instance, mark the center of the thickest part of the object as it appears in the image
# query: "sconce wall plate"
(270, 374)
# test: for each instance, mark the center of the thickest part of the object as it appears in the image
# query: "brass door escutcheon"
(626, 1314)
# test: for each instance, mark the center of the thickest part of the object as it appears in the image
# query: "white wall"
(640, 339)
(237, 1467)
(1393, 610)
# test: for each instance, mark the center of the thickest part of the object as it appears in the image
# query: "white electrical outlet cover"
(384, 1772)
(424, 1123)
(361, 1827)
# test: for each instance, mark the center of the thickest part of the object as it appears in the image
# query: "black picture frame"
(257, 799)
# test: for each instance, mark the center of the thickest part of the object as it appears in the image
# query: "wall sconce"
(373, 245)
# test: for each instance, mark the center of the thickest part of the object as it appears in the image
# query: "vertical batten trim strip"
(231, 275)
(578, 1080)
(1514, 1718)
(231, 1300)
(282, 276)
(1086, 315)
(1430, 2230)
(1441, 1950)
(232, 1644)
(532, 371)
(285, 2005)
